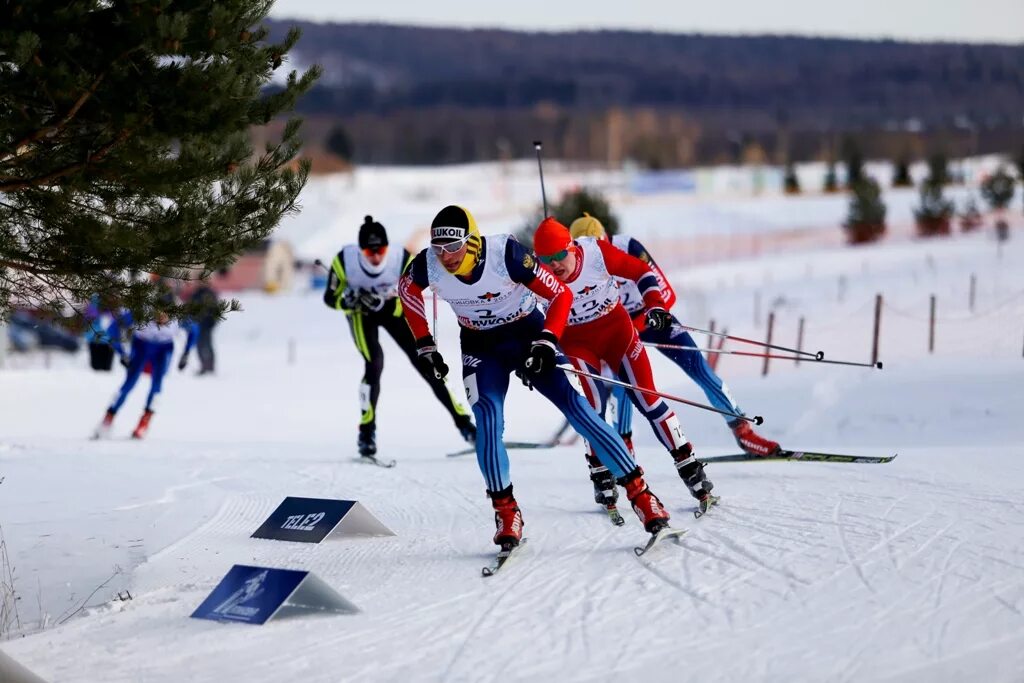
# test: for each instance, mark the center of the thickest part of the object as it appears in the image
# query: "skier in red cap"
(600, 331)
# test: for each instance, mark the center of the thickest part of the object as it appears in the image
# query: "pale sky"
(952, 20)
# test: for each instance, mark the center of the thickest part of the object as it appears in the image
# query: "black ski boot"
(605, 493)
(367, 442)
(691, 471)
(466, 428)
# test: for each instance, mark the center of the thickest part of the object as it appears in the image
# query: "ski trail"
(845, 545)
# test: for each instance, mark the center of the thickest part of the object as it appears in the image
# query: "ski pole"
(757, 419)
(817, 355)
(760, 355)
(543, 194)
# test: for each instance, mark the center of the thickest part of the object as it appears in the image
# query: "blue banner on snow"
(249, 595)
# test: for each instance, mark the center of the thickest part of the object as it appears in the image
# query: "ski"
(614, 515)
(372, 460)
(704, 506)
(508, 445)
(503, 556)
(656, 538)
(805, 456)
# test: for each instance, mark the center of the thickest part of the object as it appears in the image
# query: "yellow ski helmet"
(587, 226)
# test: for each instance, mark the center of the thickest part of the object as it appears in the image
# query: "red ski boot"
(645, 504)
(507, 518)
(751, 442)
(143, 426)
(628, 440)
(103, 430)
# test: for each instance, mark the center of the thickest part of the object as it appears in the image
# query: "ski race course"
(907, 571)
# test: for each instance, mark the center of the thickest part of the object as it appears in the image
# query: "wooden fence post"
(771, 324)
(878, 325)
(931, 325)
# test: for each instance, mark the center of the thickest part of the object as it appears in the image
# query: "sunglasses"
(451, 247)
(546, 260)
(375, 251)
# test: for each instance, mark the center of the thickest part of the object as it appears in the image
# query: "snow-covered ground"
(909, 571)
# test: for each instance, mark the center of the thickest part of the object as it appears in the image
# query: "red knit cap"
(551, 237)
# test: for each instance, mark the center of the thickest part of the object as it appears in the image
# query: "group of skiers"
(579, 301)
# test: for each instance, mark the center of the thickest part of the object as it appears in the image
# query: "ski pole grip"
(758, 420)
(878, 365)
(820, 355)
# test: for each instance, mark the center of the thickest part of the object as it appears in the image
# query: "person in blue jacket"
(152, 345)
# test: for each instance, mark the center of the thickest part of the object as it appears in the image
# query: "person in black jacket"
(363, 283)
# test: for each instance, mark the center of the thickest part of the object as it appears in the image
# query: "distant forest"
(426, 95)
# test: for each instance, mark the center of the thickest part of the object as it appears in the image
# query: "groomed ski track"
(907, 571)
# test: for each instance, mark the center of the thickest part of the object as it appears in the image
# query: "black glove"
(371, 301)
(541, 358)
(658, 319)
(183, 362)
(430, 358)
(349, 299)
(124, 360)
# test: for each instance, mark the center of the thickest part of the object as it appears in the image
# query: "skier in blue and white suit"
(493, 283)
(152, 345)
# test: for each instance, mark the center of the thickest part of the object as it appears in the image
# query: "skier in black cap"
(363, 283)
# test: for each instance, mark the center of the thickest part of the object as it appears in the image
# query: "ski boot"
(627, 439)
(605, 493)
(143, 426)
(367, 443)
(646, 505)
(691, 471)
(103, 430)
(508, 520)
(750, 441)
(466, 428)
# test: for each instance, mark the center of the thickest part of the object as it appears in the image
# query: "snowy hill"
(909, 571)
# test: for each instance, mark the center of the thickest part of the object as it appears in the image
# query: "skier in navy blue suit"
(152, 345)
(493, 283)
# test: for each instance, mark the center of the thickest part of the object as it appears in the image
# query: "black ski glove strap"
(542, 355)
(658, 319)
(430, 358)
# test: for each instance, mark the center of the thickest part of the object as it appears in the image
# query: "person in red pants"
(599, 331)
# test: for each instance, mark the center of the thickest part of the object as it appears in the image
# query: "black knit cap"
(372, 234)
(451, 224)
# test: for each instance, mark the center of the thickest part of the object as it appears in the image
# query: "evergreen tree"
(1020, 166)
(854, 160)
(124, 146)
(938, 170)
(571, 206)
(901, 176)
(831, 182)
(998, 189)
(339, 143)
(865, 218)
(790, 182)
(935, 211)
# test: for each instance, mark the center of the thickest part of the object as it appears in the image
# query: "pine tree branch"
(46, 180)
(51, 130)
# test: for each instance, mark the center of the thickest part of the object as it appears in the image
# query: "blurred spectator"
(206, 319)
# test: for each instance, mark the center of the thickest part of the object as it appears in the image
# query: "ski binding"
(704, 506)
(658, 537)
(506, 552)
(372, 460)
